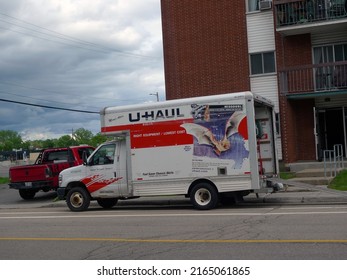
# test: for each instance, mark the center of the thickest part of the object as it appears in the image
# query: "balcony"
(313, 80)
(308, 16)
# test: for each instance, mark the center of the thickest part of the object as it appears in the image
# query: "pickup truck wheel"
(78, 199)
(27, 194)
(204, 196)
(107, 203)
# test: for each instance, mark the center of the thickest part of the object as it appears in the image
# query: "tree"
(48, 143)
(83, 136)
(10, 140)
(66, 141)
(98, 139)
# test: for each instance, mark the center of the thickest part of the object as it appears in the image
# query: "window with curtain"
(332, 53)
(330, 76)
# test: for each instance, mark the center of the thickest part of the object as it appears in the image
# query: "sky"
(76, 54)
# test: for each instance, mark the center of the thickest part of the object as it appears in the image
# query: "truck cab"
(103, 175)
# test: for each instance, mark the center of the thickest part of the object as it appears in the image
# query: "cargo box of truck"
(212, 149)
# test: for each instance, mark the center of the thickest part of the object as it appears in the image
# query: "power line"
(51, 40)
(48, 107)
(40, 99)
(67, 38)
(113, 99)
(52, 31)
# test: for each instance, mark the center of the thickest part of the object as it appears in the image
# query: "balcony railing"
(290, 12)
(314, 78)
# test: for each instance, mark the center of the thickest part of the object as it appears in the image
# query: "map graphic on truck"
(220, 131)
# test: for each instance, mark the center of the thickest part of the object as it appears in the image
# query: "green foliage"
(83, 136)
(66, 141)
(10, 140)
(98, 139)
(287, 175)
(4, 180)
(339, 182)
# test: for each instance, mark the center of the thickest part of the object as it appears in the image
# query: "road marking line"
(173, 215)
(171, 240)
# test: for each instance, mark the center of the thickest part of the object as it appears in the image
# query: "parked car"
(43, 174)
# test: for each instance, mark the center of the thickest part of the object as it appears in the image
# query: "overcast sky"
(76, 54)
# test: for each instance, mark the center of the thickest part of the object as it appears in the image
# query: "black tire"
(204, 196)
(27, 194)
(107, 203)
(228, 200)
(78, 199)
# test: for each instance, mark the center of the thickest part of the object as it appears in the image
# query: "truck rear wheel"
(27, 194)
(78, 199)
(204, 196)
(107, 203)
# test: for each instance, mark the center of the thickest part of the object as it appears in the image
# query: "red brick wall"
(205, 47)
(296, 115)
(305, 145)
(297, 50)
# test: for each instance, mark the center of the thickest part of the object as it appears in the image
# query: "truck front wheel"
(204, 196)
(78, 199)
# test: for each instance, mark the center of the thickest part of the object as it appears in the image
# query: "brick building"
(292, 52)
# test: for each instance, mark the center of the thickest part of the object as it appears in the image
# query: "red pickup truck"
(43, 174)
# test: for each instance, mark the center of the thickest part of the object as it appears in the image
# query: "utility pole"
(156, 94)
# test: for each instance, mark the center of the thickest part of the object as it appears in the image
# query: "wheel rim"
(203, 196)
(76, 200)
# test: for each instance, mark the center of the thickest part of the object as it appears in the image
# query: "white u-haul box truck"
(212, 149)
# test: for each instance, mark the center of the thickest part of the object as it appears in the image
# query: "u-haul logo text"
(155, 115)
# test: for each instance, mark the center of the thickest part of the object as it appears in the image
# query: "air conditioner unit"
(265, 5)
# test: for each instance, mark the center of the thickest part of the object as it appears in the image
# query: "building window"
(263, 63)
(330, 76)
(332, 53)
(253, 5)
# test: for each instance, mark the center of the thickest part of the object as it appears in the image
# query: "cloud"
(76, 54)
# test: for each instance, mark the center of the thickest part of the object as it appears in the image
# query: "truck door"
(102, 179)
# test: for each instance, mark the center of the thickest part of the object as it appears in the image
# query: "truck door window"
(105, 155)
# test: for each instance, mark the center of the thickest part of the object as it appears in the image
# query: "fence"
(333, 160)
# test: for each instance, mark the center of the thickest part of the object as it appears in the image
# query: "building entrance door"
(330, 129)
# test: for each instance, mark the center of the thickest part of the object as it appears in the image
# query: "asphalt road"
(294, 225)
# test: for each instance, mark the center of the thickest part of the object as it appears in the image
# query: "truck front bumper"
(61, 193)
